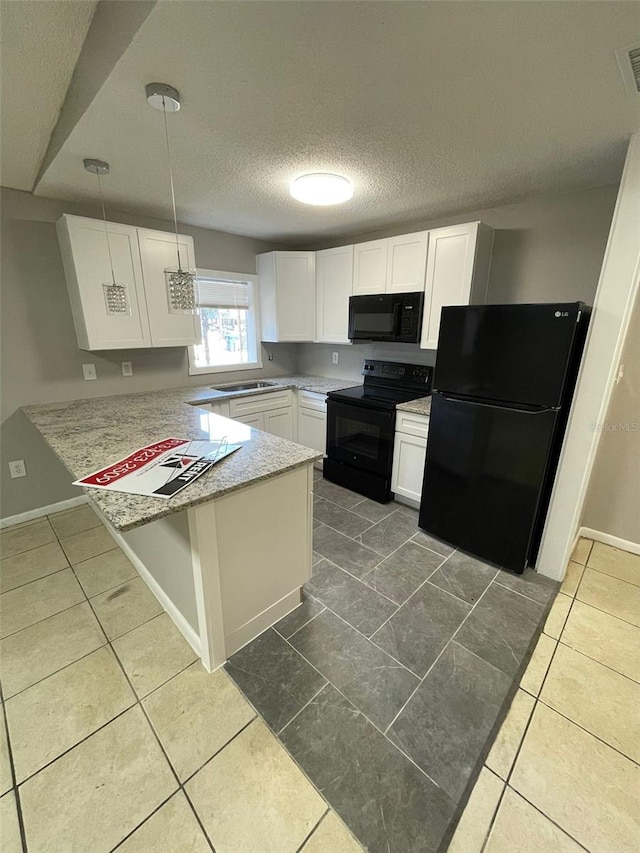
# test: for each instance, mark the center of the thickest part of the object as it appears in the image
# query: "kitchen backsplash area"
(318, 358)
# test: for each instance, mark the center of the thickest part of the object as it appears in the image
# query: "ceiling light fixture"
(322, 189)
(181, 284)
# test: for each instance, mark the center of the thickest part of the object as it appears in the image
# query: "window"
(227, 308)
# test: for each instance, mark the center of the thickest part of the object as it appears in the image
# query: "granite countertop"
(421, 406)
(317, 384)
(90, 434)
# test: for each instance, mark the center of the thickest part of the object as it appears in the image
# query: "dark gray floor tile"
(434, 544)
(300, 616)
(339, 518)
(359, 605)
(340, 496)
(464, 576)
(422, 627)
(344, 552)
(376, 684)
(316, 521)
(529, 583)
(373, 510)
(447, 721)
(501, 628)
(388, 804)
(388, 534)
(317, 475)
(274, 678)
(315, 558)
(401, 574)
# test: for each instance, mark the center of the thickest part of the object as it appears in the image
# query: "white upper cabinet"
(287, 296)
(406, 262)
(370, 267)
(458, 265)
(169, 328)
(334, 286)
(85, 256)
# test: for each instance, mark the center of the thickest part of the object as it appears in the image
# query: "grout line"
(147, 818)
(601, 572)
(595, 660)
(34, 580)
(361, 580)
(44, 619)
(308, 622)
(12, 770)
(297, 713)
(606, 612)
(301, 848)
(550, 819)
(528, 597)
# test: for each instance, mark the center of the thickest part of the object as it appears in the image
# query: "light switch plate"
(335, 357)
(89, 371)
(127, 368)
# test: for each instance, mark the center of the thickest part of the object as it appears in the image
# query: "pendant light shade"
(181, 284)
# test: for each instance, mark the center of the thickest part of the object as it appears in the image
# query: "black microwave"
(395, 317)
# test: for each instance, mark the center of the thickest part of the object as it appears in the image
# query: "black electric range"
(361, 425)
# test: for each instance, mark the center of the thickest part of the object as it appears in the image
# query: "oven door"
(360, 436)
(374, 318)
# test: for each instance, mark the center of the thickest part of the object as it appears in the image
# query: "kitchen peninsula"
(227, 556)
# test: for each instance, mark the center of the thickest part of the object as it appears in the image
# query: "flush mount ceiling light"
(321, 188)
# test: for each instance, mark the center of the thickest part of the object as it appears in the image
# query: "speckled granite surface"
(421, 406)
(318, 384)
(89, 434)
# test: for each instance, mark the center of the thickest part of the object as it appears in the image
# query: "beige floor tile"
(476, 818)
(616, 597)
(74, 521)
(6, 778)
(89, 543)
(24, 537)
(172, 829)
(52, 716)
(332, 834)
(195, 714)
(557, 616)
(31, 566)
(29, 604)
(104, 572)
(153, 653)
(36, 652)
(572, 578)
(580, 783)
(121, 609)
(506, 745)
(582, 550)
(595, 697)
(9, 825)
(95, 795)
(252, 796)
(519, 828)
(615, 562)
(604, 638)
(538, 665)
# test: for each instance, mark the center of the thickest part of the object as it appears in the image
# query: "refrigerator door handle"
(520, 410)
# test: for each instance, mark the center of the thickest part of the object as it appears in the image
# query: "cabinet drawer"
(412, 424)
(312, 400)
(260, 403)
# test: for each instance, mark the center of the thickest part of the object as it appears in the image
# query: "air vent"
(629, 63)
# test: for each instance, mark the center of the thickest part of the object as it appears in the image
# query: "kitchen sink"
(244, 386)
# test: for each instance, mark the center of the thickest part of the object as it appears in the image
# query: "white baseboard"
(608, 539)
(41, 511)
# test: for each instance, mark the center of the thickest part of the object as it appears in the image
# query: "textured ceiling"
(430, 108)
(39, 45)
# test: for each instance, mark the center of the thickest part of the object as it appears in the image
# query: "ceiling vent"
(629, 63)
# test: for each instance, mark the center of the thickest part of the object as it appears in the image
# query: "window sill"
(225, 368)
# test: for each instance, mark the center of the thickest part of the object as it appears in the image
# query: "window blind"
(217, 293)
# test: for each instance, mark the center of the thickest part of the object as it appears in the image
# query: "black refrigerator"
(503, 384)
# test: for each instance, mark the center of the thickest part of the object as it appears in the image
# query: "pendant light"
(181, 284)
(115, 295)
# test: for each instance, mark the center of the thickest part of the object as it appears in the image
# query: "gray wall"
(548, 249)
(41, 361)
(613, 498)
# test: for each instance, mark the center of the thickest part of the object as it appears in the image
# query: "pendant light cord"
(173, 195)
(106, 230)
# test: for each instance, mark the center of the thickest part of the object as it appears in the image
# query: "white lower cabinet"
(312, 420)
(409, 454)
(279, 422)
(271, 412)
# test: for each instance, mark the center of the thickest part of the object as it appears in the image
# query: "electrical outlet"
(89, 371)
(269, 356)
(127, 368)
(17, 469)
(335, 357)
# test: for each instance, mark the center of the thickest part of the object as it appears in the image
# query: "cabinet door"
(409, 453)
(312, 429)
(85, 255)
(407, 262)
(296, 296)
(158, 253)
(280, 422)
(256, 420)
(449, 276)
(334, 286)
(370, 267)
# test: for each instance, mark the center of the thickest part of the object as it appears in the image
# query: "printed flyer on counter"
(161, 469)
